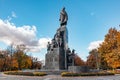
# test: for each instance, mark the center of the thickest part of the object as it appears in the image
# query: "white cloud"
(41, 44)
(26, 34)
(94, 45)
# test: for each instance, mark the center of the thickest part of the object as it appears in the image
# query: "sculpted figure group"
(70, 56)
(57, 41)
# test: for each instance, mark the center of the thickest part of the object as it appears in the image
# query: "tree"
(113, 59)
(10, 51)
(24, 61)
(1, 61)
(15, 57)
(14, 64)
(4, 60)
(79, 61)
(35, 63)
(110, 49)
(93, 60)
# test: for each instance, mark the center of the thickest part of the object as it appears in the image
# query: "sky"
(34, 23)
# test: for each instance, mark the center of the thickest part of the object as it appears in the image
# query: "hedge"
(25, 73)
(69, 74)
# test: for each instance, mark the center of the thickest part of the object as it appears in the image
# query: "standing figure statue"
(57, 37)
(63, 17)
(48, 46)
(73, 57)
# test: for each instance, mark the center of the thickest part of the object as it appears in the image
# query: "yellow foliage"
(110, 48)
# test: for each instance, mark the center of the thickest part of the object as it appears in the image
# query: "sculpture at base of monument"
(57, 38)
(48, 46)
(68, 51)
(70, 57)
(53, 44)
(63, 17)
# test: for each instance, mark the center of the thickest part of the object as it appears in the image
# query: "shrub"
(39, 73)
(68, 74)
(117, 71)
(26, 73)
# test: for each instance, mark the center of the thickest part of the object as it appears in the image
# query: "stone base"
(55, 60)
(78, 69)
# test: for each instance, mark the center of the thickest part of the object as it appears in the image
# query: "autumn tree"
(15, 57)
(24, 61)
(4, 61)
(36, 64)
(79, 61)
(110, 49)
(93, 60)
(10, 51)
(1, 61)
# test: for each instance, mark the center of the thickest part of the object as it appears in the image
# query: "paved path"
(57, 77)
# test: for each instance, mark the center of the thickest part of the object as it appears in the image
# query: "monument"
(59, 57)
(58, 53)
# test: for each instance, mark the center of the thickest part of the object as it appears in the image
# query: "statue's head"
(73, 50)
(63, 8)
(48, 42)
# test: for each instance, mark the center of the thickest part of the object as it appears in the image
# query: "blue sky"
(89, 21)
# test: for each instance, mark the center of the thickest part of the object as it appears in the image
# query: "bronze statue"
(63, 17)
(48, 46)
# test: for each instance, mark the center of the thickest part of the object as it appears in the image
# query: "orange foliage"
(78, 61)
(110, 48)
